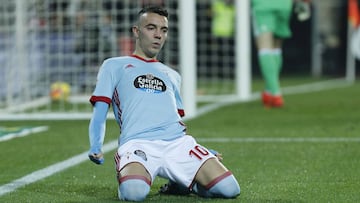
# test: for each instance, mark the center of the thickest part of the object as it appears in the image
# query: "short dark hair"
(151, 9)
(154, 9)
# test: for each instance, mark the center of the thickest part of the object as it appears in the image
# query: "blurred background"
(50, 50)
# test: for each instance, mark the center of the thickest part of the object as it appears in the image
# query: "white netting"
(216, 50)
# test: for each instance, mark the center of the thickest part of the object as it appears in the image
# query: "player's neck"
(143, 56)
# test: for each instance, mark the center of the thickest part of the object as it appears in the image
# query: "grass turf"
(267, 171)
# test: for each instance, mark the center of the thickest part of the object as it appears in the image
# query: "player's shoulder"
(171, 70)
(117, 62)
(172, 73)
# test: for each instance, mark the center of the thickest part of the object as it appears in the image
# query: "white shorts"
(178, 160)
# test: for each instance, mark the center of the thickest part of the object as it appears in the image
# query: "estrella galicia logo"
(149, 83)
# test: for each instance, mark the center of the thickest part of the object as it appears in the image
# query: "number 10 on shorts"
(199, 152)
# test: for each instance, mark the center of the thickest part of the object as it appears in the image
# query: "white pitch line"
(297, 89)
(55, 168)
(281, 139)
(50, 170)
(24, 133)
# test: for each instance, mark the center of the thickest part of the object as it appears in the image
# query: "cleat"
(172, 188)
(277, 101)
(266, 99)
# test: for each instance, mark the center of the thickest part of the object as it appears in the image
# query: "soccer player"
(145, 97)
(271, 26)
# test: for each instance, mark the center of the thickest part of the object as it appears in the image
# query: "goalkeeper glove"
(302, 9)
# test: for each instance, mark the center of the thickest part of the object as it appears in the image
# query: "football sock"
(228, 187)
(269, 66)
(279, 63)
(279, 60)
(133, 190)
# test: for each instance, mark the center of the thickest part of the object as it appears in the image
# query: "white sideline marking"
(50, 170)
(220, 100)
(297, 89)
(281, 139)
(24, 132)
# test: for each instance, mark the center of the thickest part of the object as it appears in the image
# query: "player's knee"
(226, 188)
(133, 190)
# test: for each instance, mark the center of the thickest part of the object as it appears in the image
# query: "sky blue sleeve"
(97, 127)
(107, 78)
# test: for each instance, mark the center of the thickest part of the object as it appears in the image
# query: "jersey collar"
(141, 58)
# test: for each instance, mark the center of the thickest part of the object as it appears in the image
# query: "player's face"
(151, 34)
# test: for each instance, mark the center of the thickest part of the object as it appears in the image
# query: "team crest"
(141, 154)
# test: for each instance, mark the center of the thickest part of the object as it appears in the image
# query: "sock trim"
(138, 177)
(218, 179)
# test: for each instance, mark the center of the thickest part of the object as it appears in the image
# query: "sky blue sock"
(133, 190)
(225, 188)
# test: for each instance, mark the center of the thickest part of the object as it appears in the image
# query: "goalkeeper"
(145, 98)
(271, 26)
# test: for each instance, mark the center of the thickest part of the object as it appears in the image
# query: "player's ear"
(135, 31)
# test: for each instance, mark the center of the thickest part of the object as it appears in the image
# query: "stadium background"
(45, 41)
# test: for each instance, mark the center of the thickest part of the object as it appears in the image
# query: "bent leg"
(134, 182)
(214, 180)
(133, 190)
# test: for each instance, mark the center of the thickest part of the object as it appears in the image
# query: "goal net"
(50, 51)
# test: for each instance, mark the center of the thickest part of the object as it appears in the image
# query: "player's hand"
(97, 158)
(217, 154)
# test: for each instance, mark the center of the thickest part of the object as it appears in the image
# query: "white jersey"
(145, 97)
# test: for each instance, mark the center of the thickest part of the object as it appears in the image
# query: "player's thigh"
(263, 21)
(132, 159)
(209, 171)
(263, 29)
(134, 169)
(265, 41)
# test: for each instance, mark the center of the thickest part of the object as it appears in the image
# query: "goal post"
(243, 49)
(187, 54)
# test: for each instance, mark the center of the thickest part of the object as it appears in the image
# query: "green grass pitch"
(302, 169)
